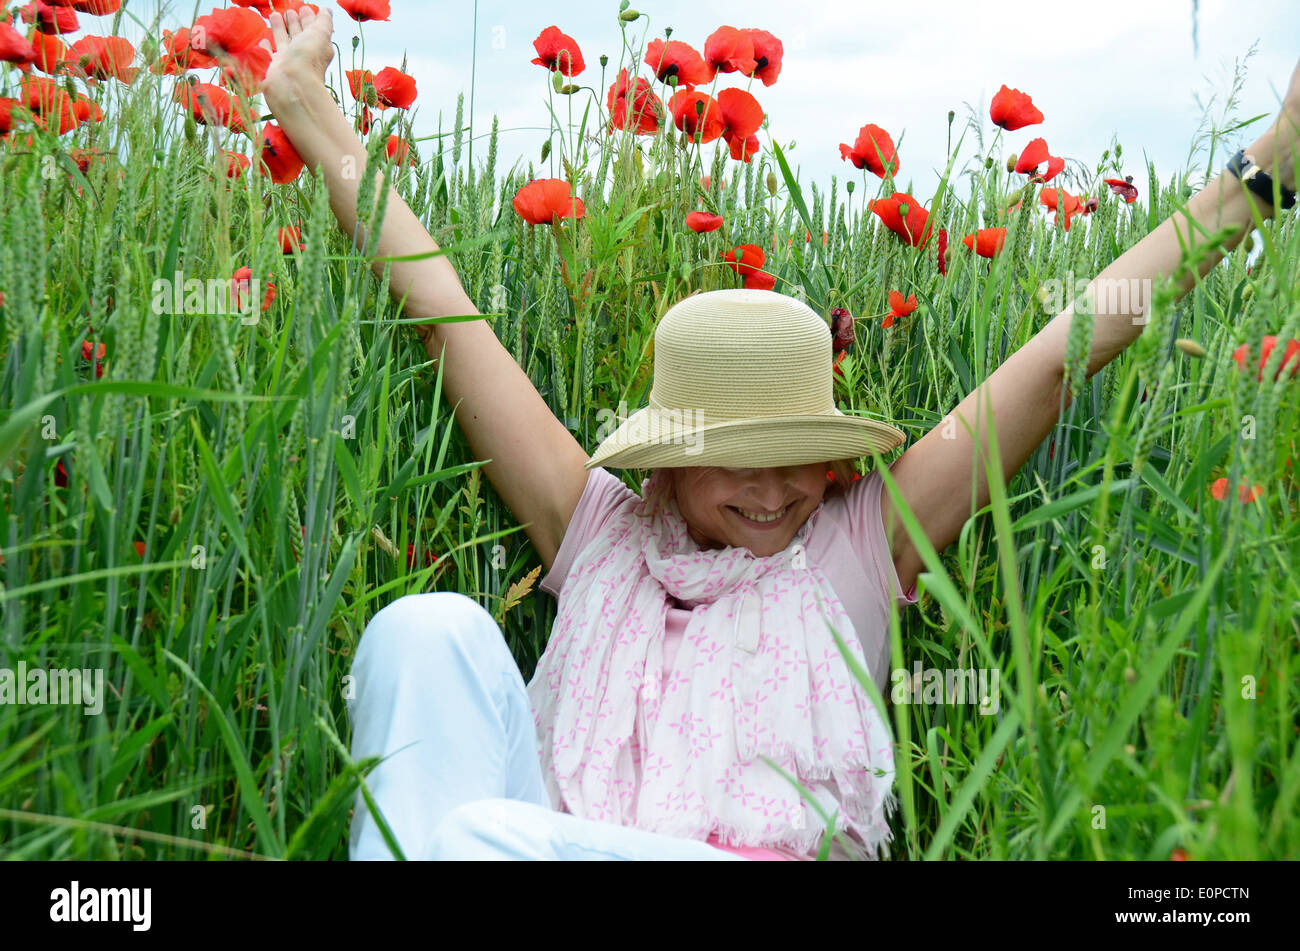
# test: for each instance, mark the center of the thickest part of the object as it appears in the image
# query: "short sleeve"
(867, 533)
(603, 494)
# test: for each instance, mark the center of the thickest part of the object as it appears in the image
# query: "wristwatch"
(1257, 180)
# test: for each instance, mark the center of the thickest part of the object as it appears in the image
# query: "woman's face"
(735, 506)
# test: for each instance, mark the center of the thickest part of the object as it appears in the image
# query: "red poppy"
(728, 50)
(558, 51)
(943, 251)
(839, 358)
(543, 200)
(674, 58)
(61, 475)
(399, 150)
(1244, 492)
(394, 88)
(1013, 110)
(1034, 155)
(280, 158)
(767, 56)
(139, 548)
(290, 239)
(103, 57)
(1266, 349)
(987, 241)
(701, 222)
(47, 100)
(364, 120)
(212, 105)
(696, 114)
(903, 215)
(429, 557)
(358, 81)
(1062, 202)
(236, 163)
(633, 105)
(1123, 187)
(90, 351)
(1178, 855)
(50, 52)
(743, 150)
(234, 37)
(179, 54)
(741, 113)
(241, 283)
(841, 329)
(1088, 205)
(873, 150)
(14, 48)
(50, 18)
(745, 259)
(98, 8)
(898, 307)
(760, 281)
(362, 10)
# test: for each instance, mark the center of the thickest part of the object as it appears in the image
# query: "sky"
(1102, 72)
(1124, 71)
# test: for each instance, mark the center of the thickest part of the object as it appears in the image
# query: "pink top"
(847, 542)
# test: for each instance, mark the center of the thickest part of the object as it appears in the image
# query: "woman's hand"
(1277, 148)
(303, 48)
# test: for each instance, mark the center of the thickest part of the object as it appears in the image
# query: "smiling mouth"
(760, 518)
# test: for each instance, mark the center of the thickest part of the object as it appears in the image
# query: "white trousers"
(437, 693)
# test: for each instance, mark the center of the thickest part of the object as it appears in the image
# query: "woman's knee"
(419, 626)
(494, 829)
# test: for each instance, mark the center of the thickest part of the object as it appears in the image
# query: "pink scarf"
(757, 674)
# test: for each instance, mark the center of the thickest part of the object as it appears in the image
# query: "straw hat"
(742, 379)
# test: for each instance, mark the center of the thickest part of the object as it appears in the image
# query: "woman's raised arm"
(935, 474)
(537, 466)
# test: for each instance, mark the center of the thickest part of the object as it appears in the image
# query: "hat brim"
(756, 442)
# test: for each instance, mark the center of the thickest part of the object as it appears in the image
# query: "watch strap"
(1257, 180)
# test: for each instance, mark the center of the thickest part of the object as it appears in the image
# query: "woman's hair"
(659, 488)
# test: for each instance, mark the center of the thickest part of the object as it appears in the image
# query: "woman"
(694, 636)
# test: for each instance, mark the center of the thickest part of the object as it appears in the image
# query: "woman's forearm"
(325, 139)
(1120, 295)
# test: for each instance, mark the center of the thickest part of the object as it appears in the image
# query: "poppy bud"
(546, 149)
(948, 257)
(604, 60)
(623, 5)
(1130, 675)
(771, 184)
(849, 186)
(627, 16)
(668, 33)
(988, 162)
(1011, 162)
(1189, 347)
(372, 97)
(1248, 292)
(557, 80)
(356, 40)
(951, 115)
(568, 89)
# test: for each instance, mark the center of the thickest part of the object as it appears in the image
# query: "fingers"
(277, 29)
